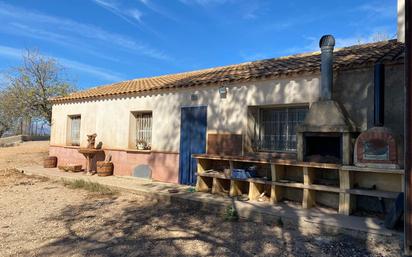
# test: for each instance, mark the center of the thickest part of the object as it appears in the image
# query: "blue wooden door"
(193, 128)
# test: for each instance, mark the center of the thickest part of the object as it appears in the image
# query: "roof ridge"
(305, 54)
(349, 56)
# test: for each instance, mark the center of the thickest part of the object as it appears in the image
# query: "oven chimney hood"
(326, 133)
(326, 116)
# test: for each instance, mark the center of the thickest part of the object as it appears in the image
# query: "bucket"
(104, 168)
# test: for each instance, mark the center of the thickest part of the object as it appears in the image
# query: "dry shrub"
(89, 186)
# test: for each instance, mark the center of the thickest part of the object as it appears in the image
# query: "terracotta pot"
(50, 162)
(104, 168)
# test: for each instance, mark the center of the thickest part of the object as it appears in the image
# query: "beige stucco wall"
(354, 89)
(110, 117)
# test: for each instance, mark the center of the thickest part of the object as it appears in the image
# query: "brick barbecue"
(376, 147)
(326, 134)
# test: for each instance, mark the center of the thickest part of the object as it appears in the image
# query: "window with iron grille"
(75, 122)
(144, 129)
(277, 128)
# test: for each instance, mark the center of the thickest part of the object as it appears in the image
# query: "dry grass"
(89, 186)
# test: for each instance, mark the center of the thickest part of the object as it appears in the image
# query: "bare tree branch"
(30, 87)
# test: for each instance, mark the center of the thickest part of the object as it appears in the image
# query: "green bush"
(231, 213)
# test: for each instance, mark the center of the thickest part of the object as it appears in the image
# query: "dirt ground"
(24, 154)
(41, 217)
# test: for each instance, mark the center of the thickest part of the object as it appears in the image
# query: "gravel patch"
(42, 217)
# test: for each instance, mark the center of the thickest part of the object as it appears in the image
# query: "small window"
(277, 128)
(74, 130)
(143, 130)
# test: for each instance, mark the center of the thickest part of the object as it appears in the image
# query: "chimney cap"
(327, 41)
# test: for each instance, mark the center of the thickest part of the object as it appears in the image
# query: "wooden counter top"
(241, 158)
(259, 159)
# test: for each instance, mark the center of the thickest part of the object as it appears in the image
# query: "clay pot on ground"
(50, 162)
(104, 168)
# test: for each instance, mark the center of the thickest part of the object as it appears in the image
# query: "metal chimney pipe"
(326, 44)
(379, 92)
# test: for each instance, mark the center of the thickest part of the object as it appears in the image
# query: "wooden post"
(218, 187)
(200, 166)
(276, 194)
(308, 194)
(202, 184)
(308, 198)
(231, 167)
(346, 200)
(347, 149)
(277, 172)
(235, 189)
(255, 190)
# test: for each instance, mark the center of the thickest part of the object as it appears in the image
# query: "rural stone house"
(323, 128)
(283, 118)
(280, 91)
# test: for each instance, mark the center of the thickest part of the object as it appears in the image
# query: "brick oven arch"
(374, 138)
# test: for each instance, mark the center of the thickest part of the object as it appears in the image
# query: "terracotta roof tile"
(344, 58)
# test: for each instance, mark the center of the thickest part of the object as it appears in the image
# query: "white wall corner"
(401, 21)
